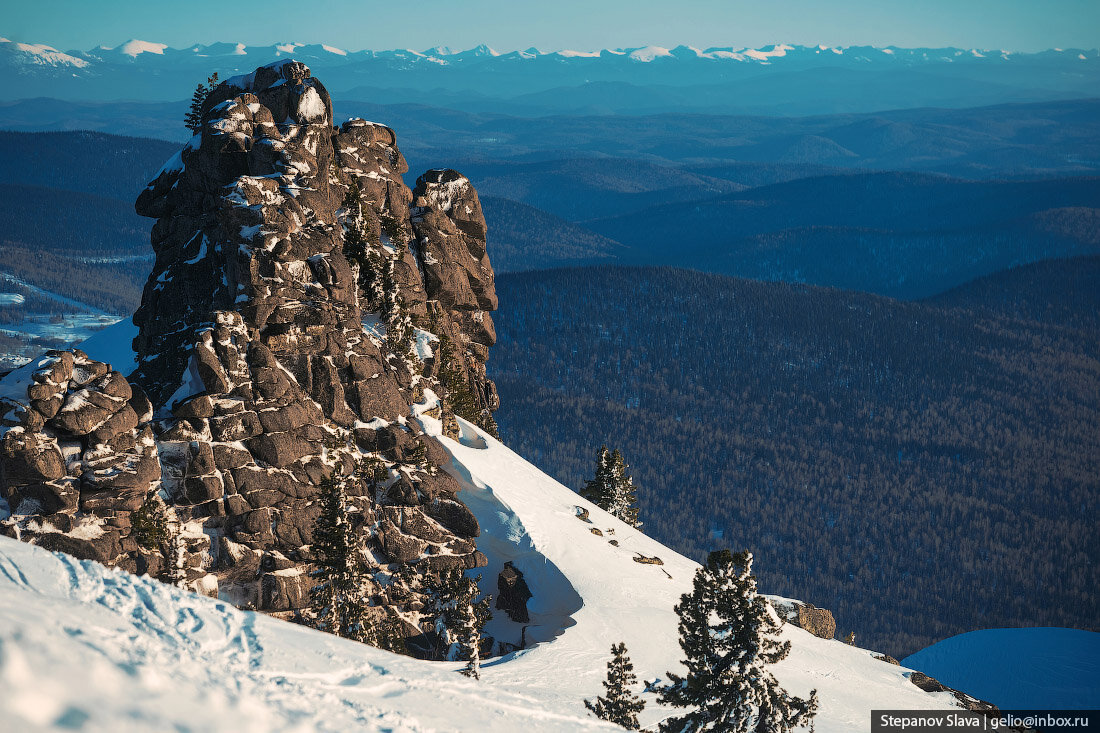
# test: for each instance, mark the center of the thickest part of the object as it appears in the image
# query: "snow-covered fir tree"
(149, 524)
(395, 314)
(458, 393)
(339, 604)
(619, 705)
(362, 249)
(453, 618)
(727, 633)
(612, 489)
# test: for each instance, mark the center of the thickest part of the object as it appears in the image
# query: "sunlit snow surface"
(86, 648)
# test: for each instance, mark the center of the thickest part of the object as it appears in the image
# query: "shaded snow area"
(114, 345)
(87, 648)
(1040, 668)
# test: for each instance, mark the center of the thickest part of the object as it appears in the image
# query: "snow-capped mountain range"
(154, 71)
(42, 54)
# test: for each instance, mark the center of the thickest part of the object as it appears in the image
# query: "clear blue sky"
(1015, 25)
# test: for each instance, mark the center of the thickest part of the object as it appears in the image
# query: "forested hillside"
(920, 470)
(1059, 292)
(904, 235)
(525, 238)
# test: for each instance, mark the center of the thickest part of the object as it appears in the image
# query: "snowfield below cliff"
(83, 647)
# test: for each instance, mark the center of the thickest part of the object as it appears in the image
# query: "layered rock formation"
(276, 235)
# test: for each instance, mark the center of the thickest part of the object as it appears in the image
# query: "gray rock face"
(256, 378)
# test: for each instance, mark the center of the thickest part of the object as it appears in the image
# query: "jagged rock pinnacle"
(261, 377)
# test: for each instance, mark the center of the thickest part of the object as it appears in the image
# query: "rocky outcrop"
(277, 236)
(818, 621)
(77, 455)
(513, 594)
(931, 684)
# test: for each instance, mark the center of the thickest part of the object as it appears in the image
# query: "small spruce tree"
(727, 633)
(338, 599)
(454, 618)
(612, 489)
(149, 524)
(175, 553)
(451, 373)
(620, 705)
(598, 489)
(355, 244)
(395, 314)
(193, 119)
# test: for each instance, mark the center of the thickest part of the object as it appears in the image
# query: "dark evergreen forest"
(920, 469)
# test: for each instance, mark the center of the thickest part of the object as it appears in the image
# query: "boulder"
(278, 449)
(103, 549)
(401, 547)
(285, 590)
(513, 593)
(79, 415)
(454, 516)
(818, 621)
(49, 498)
(30, 457)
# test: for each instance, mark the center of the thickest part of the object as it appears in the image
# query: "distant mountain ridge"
(947, 76)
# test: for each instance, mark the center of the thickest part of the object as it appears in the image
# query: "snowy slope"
(83, 646)
(1040, 668)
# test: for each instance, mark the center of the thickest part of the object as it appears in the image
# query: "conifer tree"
(620, 706)
(454, 618)
(612, 489)
(727, 633)
(149, 524)
(372, 279)
(460, 395)
(395, 314)
(453, 376)
(339, 603)
(355, 244)
(193, 119)
(363, 251)
(488, 423)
